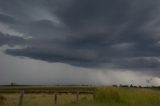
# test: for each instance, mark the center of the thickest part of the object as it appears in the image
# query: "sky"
(95, 42)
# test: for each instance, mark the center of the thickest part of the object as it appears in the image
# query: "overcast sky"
(100, 42)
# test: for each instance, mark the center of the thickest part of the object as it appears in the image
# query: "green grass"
(105, 96)
(44, 89)
(124, 97)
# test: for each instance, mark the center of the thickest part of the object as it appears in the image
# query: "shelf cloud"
(90, 34)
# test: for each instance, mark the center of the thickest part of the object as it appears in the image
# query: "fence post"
(77, 96)
(94, 95)
(21, 98)
(55, 98)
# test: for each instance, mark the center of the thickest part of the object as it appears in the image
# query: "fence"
(55, 95)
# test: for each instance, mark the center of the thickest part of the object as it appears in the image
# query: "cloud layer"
(29, 71)
(105, 34)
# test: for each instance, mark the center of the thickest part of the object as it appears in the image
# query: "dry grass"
(105, 96)
(2, 100)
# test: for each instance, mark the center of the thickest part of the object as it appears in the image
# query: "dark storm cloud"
(11, 40)
(114, 33)
(6, 19)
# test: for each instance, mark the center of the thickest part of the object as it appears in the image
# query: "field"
(104, 96)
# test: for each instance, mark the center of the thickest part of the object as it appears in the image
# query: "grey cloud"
(87, 32)
(137, 63)
(6, 19)
(31, 71)
(11, 40)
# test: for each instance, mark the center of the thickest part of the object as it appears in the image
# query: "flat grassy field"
(105, 96)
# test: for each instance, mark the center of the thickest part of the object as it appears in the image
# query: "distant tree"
(131, 85)
(125, 86)
(13, 84)
(115, 86)
(140, 86)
